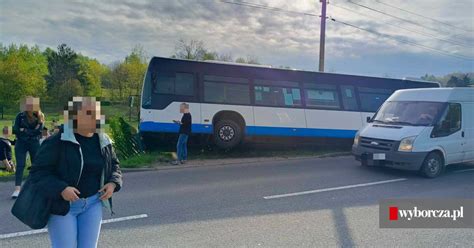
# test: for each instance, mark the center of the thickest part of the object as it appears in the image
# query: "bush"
(126, 139)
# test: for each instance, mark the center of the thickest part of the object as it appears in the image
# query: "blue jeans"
(80, 227)
(23, 147)
(182, 147)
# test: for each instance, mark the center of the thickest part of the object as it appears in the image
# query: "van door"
(447, 133)
(468, 131)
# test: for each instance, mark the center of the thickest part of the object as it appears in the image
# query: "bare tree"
(192, 49)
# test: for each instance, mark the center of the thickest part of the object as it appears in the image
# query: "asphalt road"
(224, 206)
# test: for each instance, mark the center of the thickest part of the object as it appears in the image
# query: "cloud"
(109, 29)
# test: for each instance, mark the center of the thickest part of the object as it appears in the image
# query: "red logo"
(393, 213)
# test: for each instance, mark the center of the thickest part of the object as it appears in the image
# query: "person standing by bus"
(28, 126)
(184, 132)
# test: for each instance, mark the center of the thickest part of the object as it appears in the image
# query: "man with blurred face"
(184, 132)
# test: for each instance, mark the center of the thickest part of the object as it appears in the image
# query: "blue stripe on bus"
(253, 130)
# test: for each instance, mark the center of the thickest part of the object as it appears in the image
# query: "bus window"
(322, 96)
(147, 88)
(226, 90)
(184, 84)
(177, 84)
(371, 99)
(349, 100)
(277, 96)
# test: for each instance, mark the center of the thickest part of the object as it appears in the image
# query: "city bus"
(230, 101)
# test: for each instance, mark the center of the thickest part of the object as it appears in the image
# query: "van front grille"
(377, 144)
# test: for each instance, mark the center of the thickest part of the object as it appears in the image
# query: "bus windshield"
(409, 113)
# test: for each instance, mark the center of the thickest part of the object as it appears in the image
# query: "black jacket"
(5, 149)
(31, 131)
(186, 122)
(59, 164)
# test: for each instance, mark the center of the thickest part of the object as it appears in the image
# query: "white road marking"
(458, 171)
(44, 230)
(333, 189)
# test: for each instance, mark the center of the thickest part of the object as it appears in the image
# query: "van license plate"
(379, 156)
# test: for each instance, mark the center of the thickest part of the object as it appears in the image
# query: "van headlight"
(356, 139)
(406, 145)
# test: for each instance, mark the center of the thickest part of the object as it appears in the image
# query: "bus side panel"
(278, 121)
(208, 111)
(153, 120)
(337, 124)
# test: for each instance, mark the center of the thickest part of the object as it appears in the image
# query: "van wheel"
(432, 166)
(227, 134)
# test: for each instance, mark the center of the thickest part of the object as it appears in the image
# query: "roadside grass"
(163, 157)
(5, 176)
(252, 151)
(147, 159)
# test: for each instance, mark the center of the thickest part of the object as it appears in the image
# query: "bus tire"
(433, 165)
(227, 134)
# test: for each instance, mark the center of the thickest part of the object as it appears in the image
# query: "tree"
(22, 72)
(454, 81)
(430, 78)
(127, 77)
(91, 73)
(64, 67)
(193, 50)
(248, 60)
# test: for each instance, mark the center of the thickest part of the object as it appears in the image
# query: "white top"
(460, 94)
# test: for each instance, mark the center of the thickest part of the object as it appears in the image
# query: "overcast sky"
(108, 30)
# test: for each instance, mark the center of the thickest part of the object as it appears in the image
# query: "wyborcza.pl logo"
(410, 214)
(426, 213)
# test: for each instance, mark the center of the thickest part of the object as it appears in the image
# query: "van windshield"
(409, 113)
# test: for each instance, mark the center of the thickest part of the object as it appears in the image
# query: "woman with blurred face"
(79, 172)
(28, 126)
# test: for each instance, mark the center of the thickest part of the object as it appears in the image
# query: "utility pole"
(322, 36)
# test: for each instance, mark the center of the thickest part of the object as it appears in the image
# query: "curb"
(166, 166)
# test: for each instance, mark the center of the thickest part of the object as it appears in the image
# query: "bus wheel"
(227, 134)
(432, 166)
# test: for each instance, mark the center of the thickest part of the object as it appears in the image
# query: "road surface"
(330, 202)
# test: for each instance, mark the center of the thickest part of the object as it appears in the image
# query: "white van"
(421, 130)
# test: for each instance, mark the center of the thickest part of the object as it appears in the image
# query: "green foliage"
(91, 72)
(126, 78)
(22, 72)
(126, 140)
(64, 70)
(456, 79)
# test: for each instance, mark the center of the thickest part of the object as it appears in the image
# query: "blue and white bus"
(231, 101)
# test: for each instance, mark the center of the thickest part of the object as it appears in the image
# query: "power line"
(393, 16)
(403, 41)
(426, 17)
(407, 29)
(259, 6)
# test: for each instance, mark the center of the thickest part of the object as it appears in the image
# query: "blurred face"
(32, 104)
(181, 109)
(6, 132)
(88, 116)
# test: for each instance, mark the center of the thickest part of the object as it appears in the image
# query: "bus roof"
(225, 63)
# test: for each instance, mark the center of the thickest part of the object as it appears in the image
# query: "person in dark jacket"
(79, 172)
(27, 128)
(6, 150)
(184, 132)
